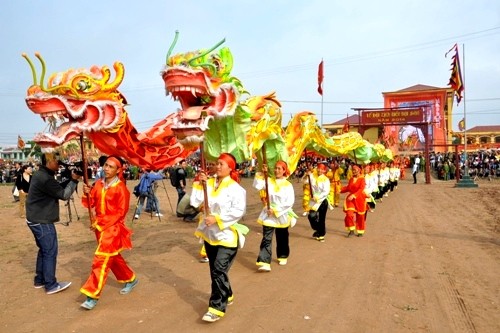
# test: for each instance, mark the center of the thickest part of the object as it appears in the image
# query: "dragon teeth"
(193, 90)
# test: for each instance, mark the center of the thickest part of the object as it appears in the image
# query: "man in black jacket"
(180, 183)
(42, 211)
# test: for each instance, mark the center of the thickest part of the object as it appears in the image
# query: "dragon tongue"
(192, 113)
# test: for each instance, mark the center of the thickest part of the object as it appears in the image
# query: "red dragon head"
(76, 101)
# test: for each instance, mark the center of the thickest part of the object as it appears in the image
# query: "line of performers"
(223, 203)
(366, 186)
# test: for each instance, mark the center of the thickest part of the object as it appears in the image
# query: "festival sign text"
(389, 116)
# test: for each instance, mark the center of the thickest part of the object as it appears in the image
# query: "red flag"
(320, 78)
(456, 82)
(20, 142)
(461, 125)
(345, 129)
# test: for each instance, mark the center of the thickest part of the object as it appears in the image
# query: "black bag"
(173, 176)
(136, 191)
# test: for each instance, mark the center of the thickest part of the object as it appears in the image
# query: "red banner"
(320, 78)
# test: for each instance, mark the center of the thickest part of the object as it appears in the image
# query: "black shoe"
(315, 234)
(359, 235)
(350, 233)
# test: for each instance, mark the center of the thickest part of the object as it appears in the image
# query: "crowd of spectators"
(481, 164)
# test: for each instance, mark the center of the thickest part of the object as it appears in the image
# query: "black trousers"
(317, 219)
(415, 177)
(282, 247)
(220, 260)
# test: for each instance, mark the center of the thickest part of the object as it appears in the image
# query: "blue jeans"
(46, 260)
(153, 204)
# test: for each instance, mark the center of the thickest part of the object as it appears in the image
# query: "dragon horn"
(207, 52)
(33, 71)
(172, 46)
(42, 77)
(120, 71)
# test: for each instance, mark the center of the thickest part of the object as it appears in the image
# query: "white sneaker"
(282, 261)
(136, 217)
(210, 317)
(265, 268)
(158, 214)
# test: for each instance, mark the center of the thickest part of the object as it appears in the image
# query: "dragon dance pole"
(86, 181)
(264, 161)
(308, 174)
(204, 183)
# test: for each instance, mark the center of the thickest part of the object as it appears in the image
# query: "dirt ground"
(429, 262)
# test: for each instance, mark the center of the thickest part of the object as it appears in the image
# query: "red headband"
(355, 167)
(229, 159)
(114, 159)
(231, 163)
(284, 166)
(321, 166)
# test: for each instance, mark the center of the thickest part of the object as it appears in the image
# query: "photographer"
(42, 211)
(146, 191)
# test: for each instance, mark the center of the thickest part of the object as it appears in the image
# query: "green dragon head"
(201, 82)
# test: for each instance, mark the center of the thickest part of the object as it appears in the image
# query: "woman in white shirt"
(319, 203)
(219, 229)
(276, 218)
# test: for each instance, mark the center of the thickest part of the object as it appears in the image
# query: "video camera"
(76, 167)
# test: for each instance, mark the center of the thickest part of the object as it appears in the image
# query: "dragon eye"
(82, 85)
(216, 63)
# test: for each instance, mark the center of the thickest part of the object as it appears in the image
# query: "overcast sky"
(368, 47)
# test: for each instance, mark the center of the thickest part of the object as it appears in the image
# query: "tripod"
(70, 214)
(152, 200)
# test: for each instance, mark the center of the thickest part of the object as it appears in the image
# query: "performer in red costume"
(355, 203)
(110, 198)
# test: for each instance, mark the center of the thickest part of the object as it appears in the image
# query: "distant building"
(437, 105)
(479, 138)
(13, 154)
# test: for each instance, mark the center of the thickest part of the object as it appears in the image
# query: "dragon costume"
(212, 110)
(87, 101)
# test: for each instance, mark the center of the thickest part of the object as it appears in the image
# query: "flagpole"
(323, 91)
(322, 110)
(466, 158)
(466, 180)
